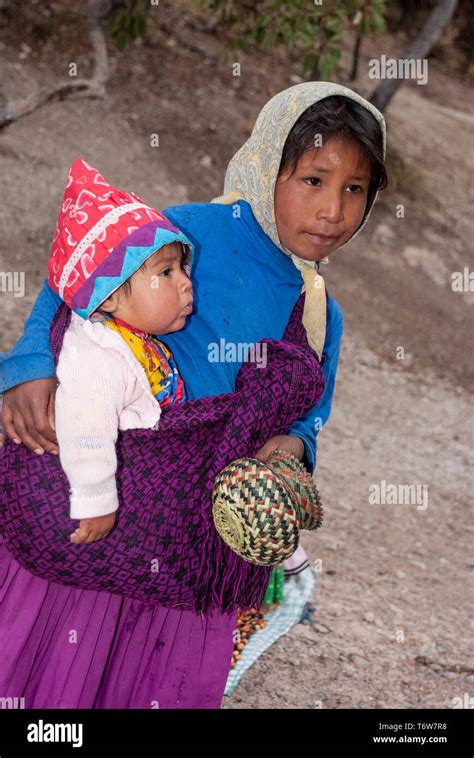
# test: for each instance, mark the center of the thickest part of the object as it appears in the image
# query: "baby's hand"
(93, 529)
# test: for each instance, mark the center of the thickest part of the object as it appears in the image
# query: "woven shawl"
(164, 548)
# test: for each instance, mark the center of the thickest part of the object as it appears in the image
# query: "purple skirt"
(63, 647)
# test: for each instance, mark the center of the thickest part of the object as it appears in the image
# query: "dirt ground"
(394, 582)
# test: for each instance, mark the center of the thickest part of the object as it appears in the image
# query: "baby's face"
(161, 294)
(321, 205)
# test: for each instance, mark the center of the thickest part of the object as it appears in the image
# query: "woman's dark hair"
(338, 115)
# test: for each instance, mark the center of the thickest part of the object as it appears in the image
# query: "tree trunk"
(439, 17)
(355, 57)
(315, 74)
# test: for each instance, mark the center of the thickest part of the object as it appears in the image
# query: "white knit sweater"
(102, 388)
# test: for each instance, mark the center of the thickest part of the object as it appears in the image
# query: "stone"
(384, 234)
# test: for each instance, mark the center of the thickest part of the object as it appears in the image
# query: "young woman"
(300, 188)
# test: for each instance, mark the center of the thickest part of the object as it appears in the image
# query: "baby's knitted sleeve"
(89, 400)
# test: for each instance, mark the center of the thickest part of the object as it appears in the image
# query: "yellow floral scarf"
(156, 359)
(252, 173)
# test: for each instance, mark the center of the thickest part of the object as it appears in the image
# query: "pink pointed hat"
(102, 237)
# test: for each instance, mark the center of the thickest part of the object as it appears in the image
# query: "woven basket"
(303, 490)
(258, 508)
(253, 512)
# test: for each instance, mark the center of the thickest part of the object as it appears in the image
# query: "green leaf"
(142, 24)
(121, 41)
(310, 61)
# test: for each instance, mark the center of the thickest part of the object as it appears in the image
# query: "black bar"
(238, 732)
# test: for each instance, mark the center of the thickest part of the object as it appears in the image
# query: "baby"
(123, 269)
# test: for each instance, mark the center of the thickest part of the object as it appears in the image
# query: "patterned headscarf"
(252, 173)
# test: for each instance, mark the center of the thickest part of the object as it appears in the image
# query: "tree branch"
(12, 110)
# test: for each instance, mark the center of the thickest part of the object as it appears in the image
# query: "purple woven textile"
(164, 548)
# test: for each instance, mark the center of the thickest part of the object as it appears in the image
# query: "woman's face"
(320, 205)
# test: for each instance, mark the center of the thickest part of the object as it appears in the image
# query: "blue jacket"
(245, 289)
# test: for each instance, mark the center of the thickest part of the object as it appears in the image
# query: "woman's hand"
(28, 415)
(93, 529)
(288, 442)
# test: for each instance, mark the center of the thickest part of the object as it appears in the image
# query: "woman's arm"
(32, 357)
(27, 378)
(308, 426)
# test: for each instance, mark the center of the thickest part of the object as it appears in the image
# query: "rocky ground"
(391, 627)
